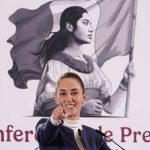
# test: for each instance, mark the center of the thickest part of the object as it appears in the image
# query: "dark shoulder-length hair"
(59, 40)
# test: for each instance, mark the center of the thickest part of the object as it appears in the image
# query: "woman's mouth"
(90, 36)
(69, 106)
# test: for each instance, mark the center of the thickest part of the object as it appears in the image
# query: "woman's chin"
(71, 114)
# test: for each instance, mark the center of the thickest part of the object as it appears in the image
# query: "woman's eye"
(62, 94)
(74, 93)
(86, 23)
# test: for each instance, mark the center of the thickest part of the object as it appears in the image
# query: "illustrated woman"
(63, 53)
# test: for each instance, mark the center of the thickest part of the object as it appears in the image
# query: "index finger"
(62, 108)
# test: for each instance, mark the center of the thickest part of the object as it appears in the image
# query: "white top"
(54, 69)
(75, 125)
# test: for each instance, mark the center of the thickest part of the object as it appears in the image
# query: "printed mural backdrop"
(115, 22)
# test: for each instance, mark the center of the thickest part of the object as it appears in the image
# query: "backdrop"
(16, 105)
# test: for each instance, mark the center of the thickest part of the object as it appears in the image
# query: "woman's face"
(70, 96)
(84, 31)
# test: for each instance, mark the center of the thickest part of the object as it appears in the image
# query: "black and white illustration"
(74, 36)
(26, 24)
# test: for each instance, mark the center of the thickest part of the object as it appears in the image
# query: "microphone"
(79, 132)
(101, 133)
(61, 122)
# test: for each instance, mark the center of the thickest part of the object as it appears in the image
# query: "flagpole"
(130, 59)
(129, 86)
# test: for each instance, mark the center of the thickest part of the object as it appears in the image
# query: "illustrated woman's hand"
(128, 71)
(92, 107)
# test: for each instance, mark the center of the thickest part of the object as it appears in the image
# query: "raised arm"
(46, 131)
(117, 97)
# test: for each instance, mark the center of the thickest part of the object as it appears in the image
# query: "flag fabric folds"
(113, 36)
(32, 27)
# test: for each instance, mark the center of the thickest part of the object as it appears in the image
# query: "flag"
(113, 36)
(115, 31)
(32, 27)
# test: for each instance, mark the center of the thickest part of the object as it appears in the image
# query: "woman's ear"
(83, 98)
(69, 27)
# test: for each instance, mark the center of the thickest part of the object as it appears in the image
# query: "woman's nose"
(91, 28)
(69, 97)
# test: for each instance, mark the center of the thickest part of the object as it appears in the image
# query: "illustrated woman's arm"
(43, 81)
(45, 103)
(116, 98)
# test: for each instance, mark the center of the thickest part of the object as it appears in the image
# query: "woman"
(63, 130)
(63, 53)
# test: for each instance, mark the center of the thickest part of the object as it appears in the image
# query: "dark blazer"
(52, 137)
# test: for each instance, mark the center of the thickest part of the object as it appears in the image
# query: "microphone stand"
(101, 133)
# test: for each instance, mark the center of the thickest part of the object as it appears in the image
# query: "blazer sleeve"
(46, 131)
(105, 146)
